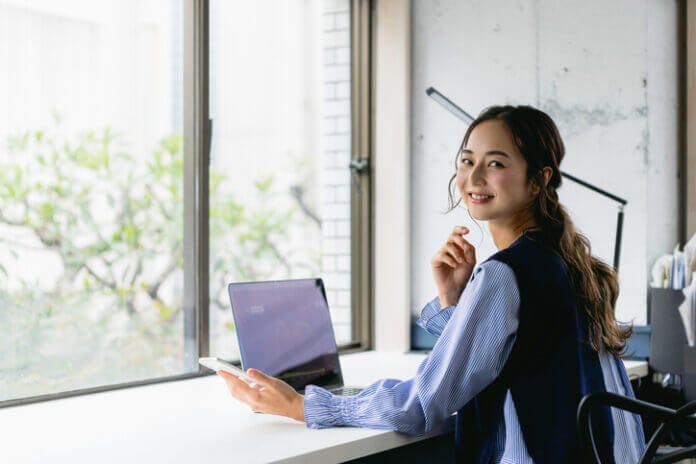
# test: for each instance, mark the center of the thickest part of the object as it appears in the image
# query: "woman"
(522, 337)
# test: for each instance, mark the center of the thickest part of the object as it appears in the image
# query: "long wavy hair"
(596, 283)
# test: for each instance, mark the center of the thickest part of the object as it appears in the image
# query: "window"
(279, 178)
(91, 184)
(117, 237)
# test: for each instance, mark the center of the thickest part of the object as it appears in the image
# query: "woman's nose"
(476, 176)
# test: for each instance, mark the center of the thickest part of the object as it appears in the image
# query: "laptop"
(284, 330)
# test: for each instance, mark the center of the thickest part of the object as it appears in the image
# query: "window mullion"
(197, 150)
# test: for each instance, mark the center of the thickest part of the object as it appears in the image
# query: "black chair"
(667, 417)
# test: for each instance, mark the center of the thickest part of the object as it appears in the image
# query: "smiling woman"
(542, 304)
(479, 196)
(491, 176)
(618, 108)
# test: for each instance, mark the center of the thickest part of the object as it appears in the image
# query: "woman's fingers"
(262, 379)
(236, 383)
(468, 252)
(256, 398)
(274, 396)
(460, 248)
(456, 250)
(273, 384)
(239, 389)
(444, 257)
(456, 236)
(230, 380)
(449, 255)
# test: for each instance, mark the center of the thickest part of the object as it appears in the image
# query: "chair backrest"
(667, 335)
(669, 350)
(668, 418)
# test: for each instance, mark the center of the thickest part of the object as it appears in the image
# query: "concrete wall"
(604, 71)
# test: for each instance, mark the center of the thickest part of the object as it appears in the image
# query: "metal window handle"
(358, 166)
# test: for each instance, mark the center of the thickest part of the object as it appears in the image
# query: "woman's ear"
(535, 187)
(547, 172)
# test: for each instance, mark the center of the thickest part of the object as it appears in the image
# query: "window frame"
(686, 11)
(197, 141)
(362, 84)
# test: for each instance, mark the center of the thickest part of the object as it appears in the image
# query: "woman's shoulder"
(534, 263)
(493, 282)
(528, 251)
(492, 270)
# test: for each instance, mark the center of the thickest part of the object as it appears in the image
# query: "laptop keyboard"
(346, 391)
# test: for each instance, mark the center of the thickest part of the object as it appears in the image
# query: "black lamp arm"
(594, 188)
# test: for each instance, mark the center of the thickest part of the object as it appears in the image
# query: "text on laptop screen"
(284, 329)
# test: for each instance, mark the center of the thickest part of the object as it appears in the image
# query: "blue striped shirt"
(475, 338)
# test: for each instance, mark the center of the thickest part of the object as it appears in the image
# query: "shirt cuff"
(323, 409)
(433, 318)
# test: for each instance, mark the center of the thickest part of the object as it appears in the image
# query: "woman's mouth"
(480, 197)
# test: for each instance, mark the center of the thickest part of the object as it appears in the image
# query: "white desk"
(196, 421)
(636, 369)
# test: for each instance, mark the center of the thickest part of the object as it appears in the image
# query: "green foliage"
(114, 221)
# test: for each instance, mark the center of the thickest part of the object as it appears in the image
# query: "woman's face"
(491, 165)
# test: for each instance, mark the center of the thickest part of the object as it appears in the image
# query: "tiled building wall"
(335, 203)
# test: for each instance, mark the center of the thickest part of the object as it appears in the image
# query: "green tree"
(114, 223)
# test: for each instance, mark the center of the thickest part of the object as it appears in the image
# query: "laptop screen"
(284, 329)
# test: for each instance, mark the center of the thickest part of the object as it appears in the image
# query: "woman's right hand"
(452, 266)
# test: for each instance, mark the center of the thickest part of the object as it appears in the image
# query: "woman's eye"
(468, 162)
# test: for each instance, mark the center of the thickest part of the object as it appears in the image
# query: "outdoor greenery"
(91, 257)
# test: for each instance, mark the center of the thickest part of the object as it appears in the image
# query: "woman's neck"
(505, 233)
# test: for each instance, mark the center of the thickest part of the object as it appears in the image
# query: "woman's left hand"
(270, 395)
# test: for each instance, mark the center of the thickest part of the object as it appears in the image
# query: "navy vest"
(550, 368)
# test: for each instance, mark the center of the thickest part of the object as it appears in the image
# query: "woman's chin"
(477, 214)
